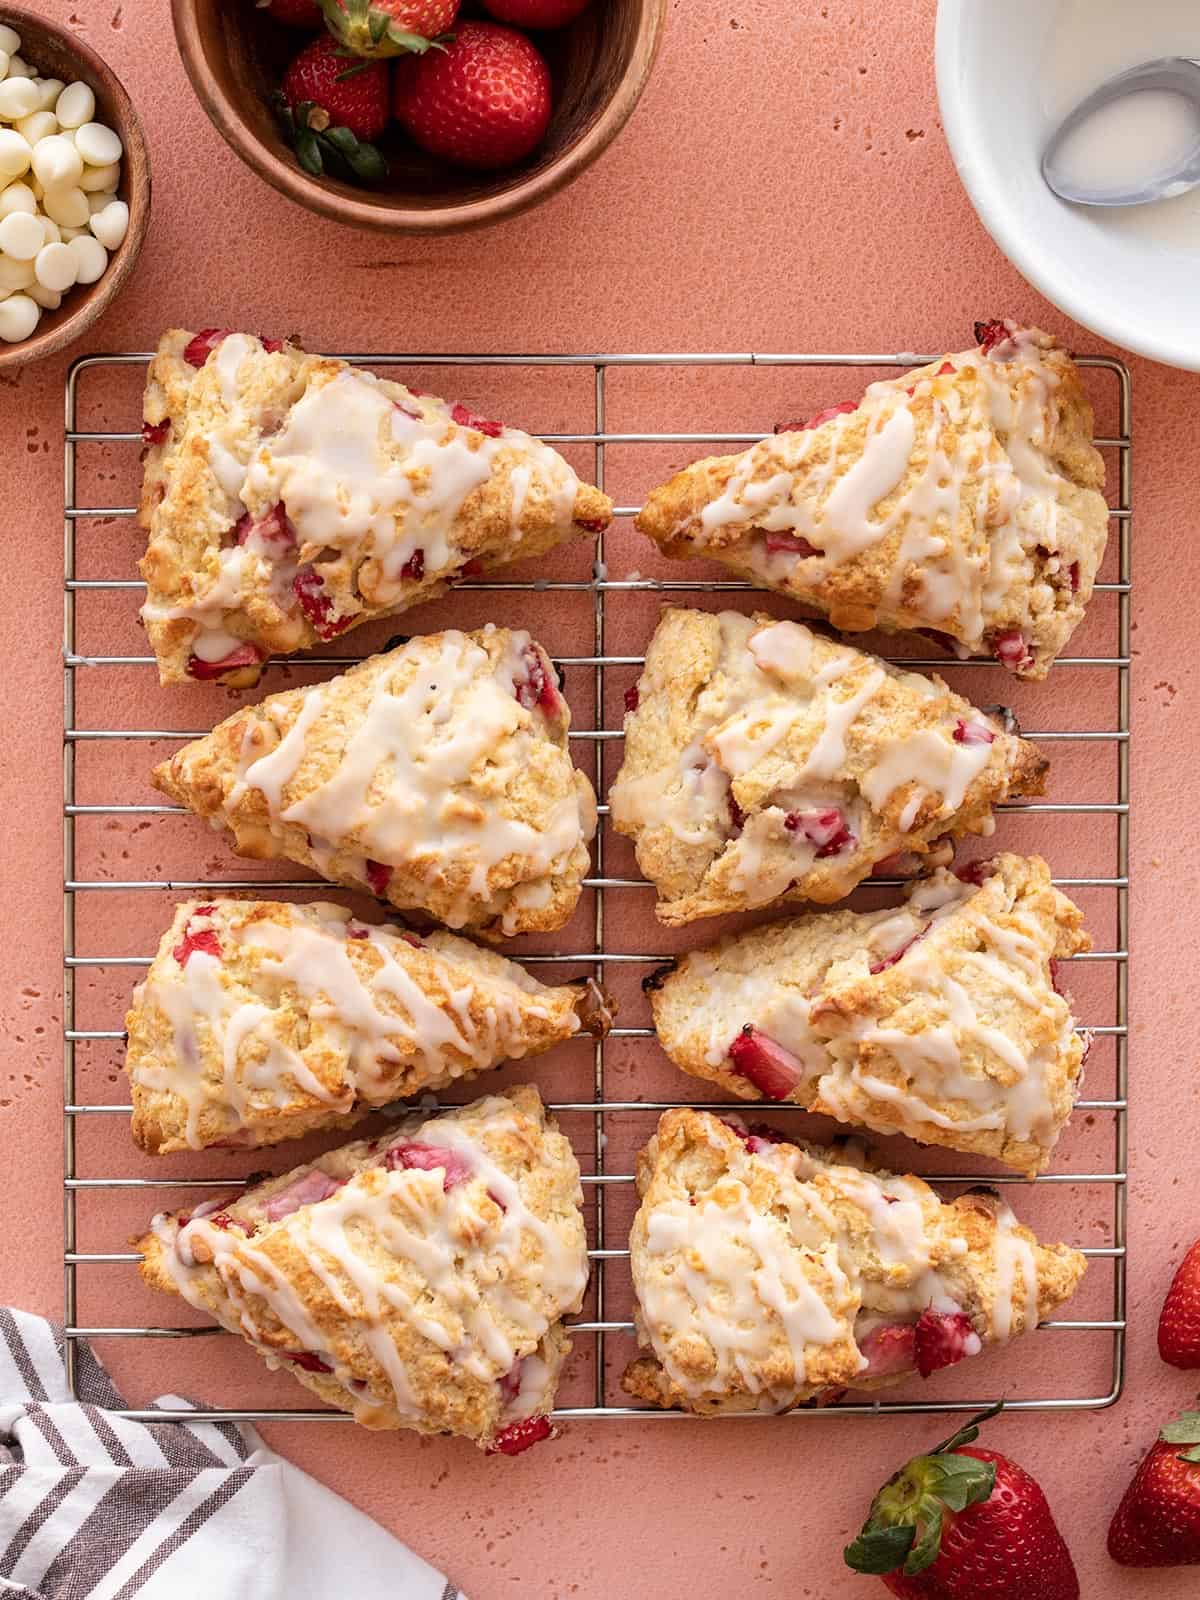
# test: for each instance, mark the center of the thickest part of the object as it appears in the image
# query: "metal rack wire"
(598, 593)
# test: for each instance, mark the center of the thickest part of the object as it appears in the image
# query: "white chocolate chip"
(21, 236)
(68, 207)
(17, 197)
(57, 164)
(19, 316)
(110, 225)
(98, 145)
(49, 90)
(97, 202)
(46, 298)
(50, 228)
(13, 159)
(75, 105)
(56, 267)
(3, 64)
(17, 68)
(101, 179)
(75, 233)
(18, 97)
(38, 125)
(91, 258)
(14, 275)
(10, 40)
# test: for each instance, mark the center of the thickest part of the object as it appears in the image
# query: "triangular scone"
(436, 775)
(962, 499)
(767, 762)
(288, 497)
(260, 1021)
(416, 1281)
(769, 1273)
(940, 1020)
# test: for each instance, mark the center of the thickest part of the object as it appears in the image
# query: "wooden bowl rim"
(136, 171)
(455, 216)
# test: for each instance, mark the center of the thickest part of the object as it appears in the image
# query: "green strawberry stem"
(369, 31)
(322, 148)
(907, 1516)
(1184, 1430)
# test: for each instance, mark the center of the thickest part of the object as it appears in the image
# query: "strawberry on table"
(536, 13)
(332, 108)
(964, 1524)
(1179, 1322)
(1157, 1523)
(483, 101)
(296, 13)
(379, 28)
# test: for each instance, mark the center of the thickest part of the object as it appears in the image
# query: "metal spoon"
(1179, 75)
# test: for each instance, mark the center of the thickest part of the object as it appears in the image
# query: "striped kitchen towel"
(95, 1507)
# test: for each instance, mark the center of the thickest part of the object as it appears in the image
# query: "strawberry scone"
(768, 1273)
(288, 497)
(260, 1021)
(767, 762)
(416, 1281)
(963, 499)
(436, 775)
(941, 1020)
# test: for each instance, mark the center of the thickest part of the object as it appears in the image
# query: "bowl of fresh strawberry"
(419, 116)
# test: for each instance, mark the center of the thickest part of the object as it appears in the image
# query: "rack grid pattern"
(600, 594)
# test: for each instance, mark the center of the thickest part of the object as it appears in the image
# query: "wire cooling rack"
(1099, 759)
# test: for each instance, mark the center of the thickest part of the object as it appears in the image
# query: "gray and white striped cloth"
(96, 1507)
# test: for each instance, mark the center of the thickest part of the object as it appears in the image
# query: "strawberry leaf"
(1191, 1455)
(367, 164)
(879, 1550)
(961, 1481)
(925, 1551)
(1184, 1430)
(416, 43)
(308, 152)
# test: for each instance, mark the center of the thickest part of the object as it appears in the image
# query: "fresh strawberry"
(380, 28)
(1158, 1522)
(483, 101)
(535, 13)
(331, 108)
(350, 96)
(296, 13)
(1179, 1323)
(964, 1524)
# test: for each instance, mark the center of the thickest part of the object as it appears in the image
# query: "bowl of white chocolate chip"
(74, 187)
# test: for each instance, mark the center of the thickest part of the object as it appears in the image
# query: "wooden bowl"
(57, 53)
(235, 56)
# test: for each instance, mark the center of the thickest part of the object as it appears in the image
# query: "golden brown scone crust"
(260, 1021)
(751, 735)
(759, 1267)
(426, 1304)
(940, 1020)
(963, 498)
(423, 761)
(292, 497)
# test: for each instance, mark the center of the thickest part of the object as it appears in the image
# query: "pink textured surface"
(784, 185)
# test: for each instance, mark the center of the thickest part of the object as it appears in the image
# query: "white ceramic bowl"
(1138, 292)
